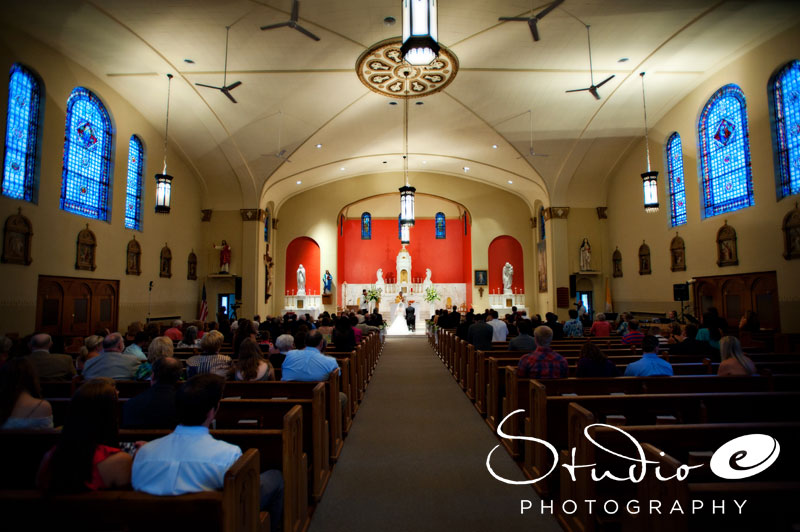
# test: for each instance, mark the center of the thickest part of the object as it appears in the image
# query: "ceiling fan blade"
(534, 29)
(304, 31)
(228, 94)
(594, 92)
(273, 26)
(295, 11)
(579, 90)
(514, 18)
(233, 85)
(548, 9)
(208, 86)
(605, 81)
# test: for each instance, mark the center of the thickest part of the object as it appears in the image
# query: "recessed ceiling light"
(389, 21)
(424, 162)
(622, 60)
(420, 103)
(392, 103)
(510, 182)
(319, 146)
(466, 168)
(190, 61)
(494, 146)
(342, 168)
(299, 182)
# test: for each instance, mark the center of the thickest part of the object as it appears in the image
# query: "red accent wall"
(449, 259)
(305, 251)
(505, 249)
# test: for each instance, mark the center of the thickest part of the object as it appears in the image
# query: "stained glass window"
(785, 101)
(366, 226)
(677, 186)
(133, 193)
(725, 152)
(266, 226)
(541, 224)
(87, 156)
(441, 227)
(22, 135)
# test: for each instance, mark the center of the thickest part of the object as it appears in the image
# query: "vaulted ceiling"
(298, 93)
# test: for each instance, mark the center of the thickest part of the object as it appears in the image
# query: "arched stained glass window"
(784, 91)
(541, 224)
(133, 192)
(727, 180)
(88, 137)
(266, 226)
(366, 226)
(677, 186)
(22, 135)
(441, 226)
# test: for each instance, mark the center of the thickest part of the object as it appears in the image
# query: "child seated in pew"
(190, 460)
(734, 361)
(87, 456)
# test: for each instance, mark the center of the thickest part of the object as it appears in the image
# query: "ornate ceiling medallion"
(381, 68)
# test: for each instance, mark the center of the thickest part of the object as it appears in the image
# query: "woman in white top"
(21, 405)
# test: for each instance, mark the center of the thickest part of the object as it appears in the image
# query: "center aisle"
(415, 458)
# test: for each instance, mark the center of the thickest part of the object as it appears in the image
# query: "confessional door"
(70, 306)
(733, 295)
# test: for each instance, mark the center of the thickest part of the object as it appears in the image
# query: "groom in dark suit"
(410, 318)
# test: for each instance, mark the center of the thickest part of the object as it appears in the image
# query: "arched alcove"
(501, 250)
(305, 251)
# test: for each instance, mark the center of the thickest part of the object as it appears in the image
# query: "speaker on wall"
(573, 280)
(238, 281)
(680, 292)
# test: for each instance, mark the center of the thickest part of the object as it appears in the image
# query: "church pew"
(668, 437)
(353, 378)
(549, 421)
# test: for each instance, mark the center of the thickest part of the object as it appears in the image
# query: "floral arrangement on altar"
(373, 294)
(431, 294)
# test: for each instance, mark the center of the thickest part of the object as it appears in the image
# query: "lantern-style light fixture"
(406, 191)
(405, 234)
(164, 180)
(649, 178)
(420, 33)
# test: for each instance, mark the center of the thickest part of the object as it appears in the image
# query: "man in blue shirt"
(308, 364)
(190, 460)
(650, 365)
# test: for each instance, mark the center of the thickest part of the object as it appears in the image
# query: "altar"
(303, 304)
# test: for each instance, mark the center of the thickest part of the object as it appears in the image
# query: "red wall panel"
(505, 249)
(305, 251)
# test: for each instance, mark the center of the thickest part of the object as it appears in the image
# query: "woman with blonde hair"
(210, 361)
(160, 347)
(734, 361)
(90, 349)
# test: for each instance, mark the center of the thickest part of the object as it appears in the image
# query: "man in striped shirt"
(543, 363)
(634, 335)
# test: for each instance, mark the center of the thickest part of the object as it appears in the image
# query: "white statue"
(508, 277)
(380, 282)
(586, 256)
(301, 281)
(427, 281)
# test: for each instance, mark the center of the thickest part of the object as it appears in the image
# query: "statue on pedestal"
(327, 283)
(224, 257)
(379, 283)
(301, 281)
(586, 256)
(508, 277)
(427, 281)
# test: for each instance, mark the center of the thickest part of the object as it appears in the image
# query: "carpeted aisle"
(415, 458)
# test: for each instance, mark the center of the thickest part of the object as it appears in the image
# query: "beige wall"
(56, 231)
(758, 227)
(494, 212)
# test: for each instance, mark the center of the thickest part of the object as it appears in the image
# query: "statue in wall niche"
(192, 267)
(224, 256)
(301, 280)
(677, 251)
(586, 256)
(727, 254)
(134, 258)
(87, 247)
(17, 239)
(508, 277)
(165, 268)
(327, 283)
(644, 259)
(616, 260)
(791, 234)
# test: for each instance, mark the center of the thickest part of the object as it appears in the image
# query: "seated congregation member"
(650, 365)
(49, 366)
(21, 403)
(624, 318)
(634, 336)
(309, 363)
(91, 348)
(594, 363)
(190, 338)
(283, 343)
(326, 325)
(734, 361)
(86, 457)
(190, 460)
(251, 365)
(343, 336)
(111, 362)
(463, 327)
(554, 325)
(160, 347)
(353, 325)
(749, 322)
(601, 327)
(543, 362)
(155, 407)
(137, 347)
(689, 345)
(175, 333)
(209, 360)
(676, 335)
(656, 331)
(710, 332)
(524, 341)
(500, 329)
(573, 328)
(480, 334)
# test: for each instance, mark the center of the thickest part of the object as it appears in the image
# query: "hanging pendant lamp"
(649, 178)
(164, 180)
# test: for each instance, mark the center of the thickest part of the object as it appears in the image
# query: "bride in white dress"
(399, 325)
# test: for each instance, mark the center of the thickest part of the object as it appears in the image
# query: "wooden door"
(764, 301)
(70, 306)
(50, 307)
(735, 301)
(734, 295)
(104, 311)
(78, 310)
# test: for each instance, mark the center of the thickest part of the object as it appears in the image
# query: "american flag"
(204, 305)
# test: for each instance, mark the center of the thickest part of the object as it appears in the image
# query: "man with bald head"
(49, 366)
(112, 362)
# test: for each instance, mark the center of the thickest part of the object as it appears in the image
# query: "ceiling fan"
(532, 20)
(292, 22)
(592, 88)
(531, 151)
(225, 89)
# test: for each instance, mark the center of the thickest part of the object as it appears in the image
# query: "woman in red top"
(86, 457)
(601, 327)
